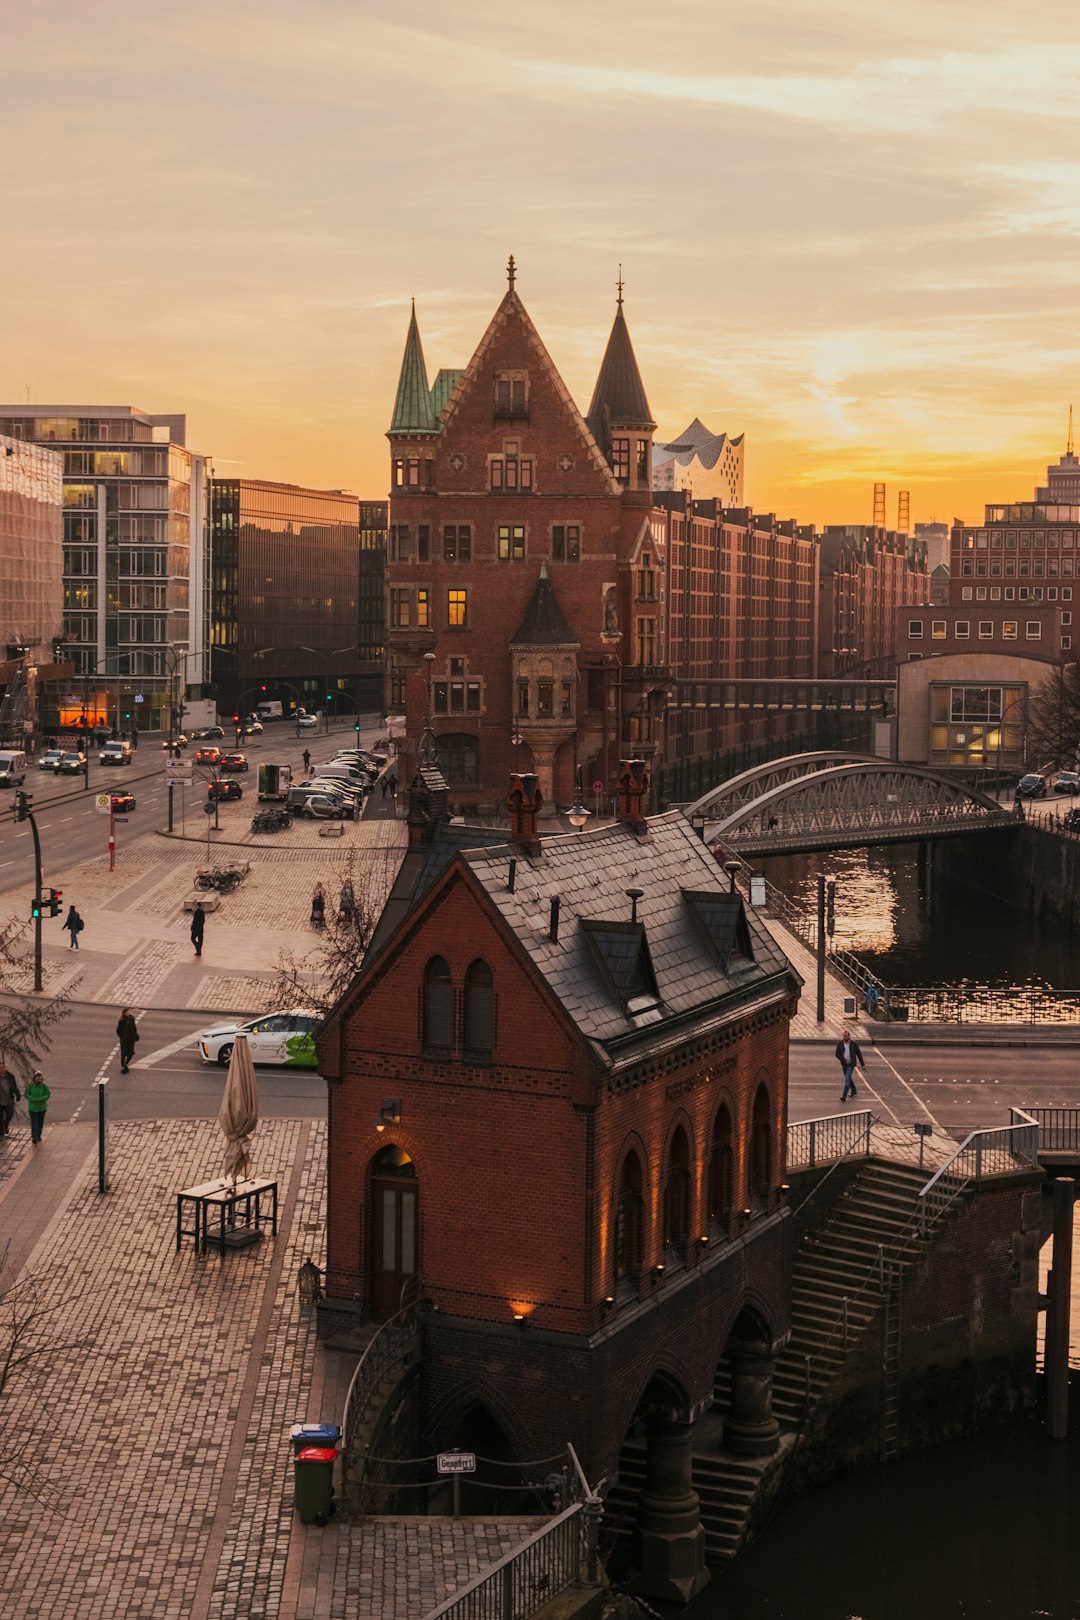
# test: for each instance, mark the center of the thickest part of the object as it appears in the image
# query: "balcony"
(512, 410)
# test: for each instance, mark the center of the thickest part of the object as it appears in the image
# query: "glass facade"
(32, 588)
(978, 727)
(374, 517)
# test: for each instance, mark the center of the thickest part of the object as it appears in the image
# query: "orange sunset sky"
(848, 228)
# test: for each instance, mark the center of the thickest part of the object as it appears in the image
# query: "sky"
(848, 228)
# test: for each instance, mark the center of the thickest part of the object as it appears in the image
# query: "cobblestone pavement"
(159, 1436)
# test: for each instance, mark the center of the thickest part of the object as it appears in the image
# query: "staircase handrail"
(862, 1143)
(392, 1345)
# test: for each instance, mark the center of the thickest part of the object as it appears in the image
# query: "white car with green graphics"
(284, 1038)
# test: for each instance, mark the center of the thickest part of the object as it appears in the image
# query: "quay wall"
(1028, 867)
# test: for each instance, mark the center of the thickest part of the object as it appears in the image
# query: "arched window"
(479, 1007)
(677, 1195)
(721, 1170)
(438, 1006)
(761, 1145)
(629, 1222)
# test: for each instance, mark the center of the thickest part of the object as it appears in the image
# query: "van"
(115, 753)
(12, 767)
(274, 781)
(268, 710)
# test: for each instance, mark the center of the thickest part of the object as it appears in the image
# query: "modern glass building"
(135, 556)
(284, 596)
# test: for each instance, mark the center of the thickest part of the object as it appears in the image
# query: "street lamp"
(577, 815)
(328, 654)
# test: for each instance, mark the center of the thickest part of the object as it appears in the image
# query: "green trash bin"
(314, 1471)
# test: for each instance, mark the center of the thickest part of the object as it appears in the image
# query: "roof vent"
(633, 895)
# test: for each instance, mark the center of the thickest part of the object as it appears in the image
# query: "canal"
(912, 927)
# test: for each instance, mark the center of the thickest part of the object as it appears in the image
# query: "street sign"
(208, 809)
(598, 786)
(101, 803)
(757, 889)
(138, 697)
(178, 770)
(456, 1462)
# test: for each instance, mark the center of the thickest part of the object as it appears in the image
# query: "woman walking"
(127, 1033)
(74, 925)
(37, 1101)
(318, 906)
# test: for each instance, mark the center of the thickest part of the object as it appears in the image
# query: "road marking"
(185, 1041)
(907, 1088)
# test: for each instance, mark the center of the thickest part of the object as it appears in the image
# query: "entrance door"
(394, 1230)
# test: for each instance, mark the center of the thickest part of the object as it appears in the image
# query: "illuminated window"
(423, 608)
(937, 629)
(457, 609)
(1008, 629)
(511, 542)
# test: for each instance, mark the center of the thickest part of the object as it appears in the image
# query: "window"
(677, 1196)
(567, 699)
(1066, 593)
(457, 610)
(646, 641)
(472, 697)
(721, 1171)
(629, 1222)
(620, 459)
(1066, 643)
(646, 580)
(423, 608)
(963, 629)
(457, 697)
(511, 395)
(1066, 618)
(457, 542)
(761, 1145)
(399, 609)
(1008, 629)
(511, 542)
(566, 542)
(986, 630)
(459, 755)
(510, 472)
(441, 690)
(937, 629)
(545, 699)
(438, 1006)
(965, 593)
(523, 699)
(397, 688)
(914, 629)
(399, 472)
(399, 542)
(423, 543)
(479, 1007)
(1032, 630)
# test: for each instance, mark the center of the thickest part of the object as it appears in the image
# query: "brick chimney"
(429, 804)
(631, 787)
(523, 802)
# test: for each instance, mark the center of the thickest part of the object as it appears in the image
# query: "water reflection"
(915, 927)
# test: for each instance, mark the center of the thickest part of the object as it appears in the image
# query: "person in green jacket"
(37, 1100)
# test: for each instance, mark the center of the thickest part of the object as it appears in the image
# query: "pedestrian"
(74, 925)
(306, 756)
(848, 1054)
(198, 924)
(872, 999)
(127, 1033)
(37, 1100)
(393, 785)
(383, 786)
(9, 1096)
(346, 902)
(318, 906)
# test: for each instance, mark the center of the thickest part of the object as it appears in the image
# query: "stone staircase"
(836, 1262)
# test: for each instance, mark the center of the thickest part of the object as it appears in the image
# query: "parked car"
(1072, 821)
(1031, 786)
(1067, 782)
(224, 789)
(354, 801)
(122, 803)
(208, 756)
(49, 759)
(179, 741)
(286, 1038)
(234, 762)
(312, 805)
(70, 764)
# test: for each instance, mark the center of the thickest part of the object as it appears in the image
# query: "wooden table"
(224, 1199)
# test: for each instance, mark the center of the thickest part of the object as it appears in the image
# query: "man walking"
(37, 1101)
(9, 1096)
(306, 756)
(198, 924)
(848, 1055)
(127, 1033)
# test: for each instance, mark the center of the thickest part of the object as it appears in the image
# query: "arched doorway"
(395, 1229)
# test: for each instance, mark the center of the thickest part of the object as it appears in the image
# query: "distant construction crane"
(879, 506)
(903, 511)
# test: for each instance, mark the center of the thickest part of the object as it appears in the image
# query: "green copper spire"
(413, 410)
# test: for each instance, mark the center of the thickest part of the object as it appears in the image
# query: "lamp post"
(517, 739)
(577, 815)
(328, 654)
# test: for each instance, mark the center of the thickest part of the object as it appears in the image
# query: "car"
(179, 741)
(224, 789)
(252, 726)
(208, 756)
(320, 807)
(121, 804)
(49, 759)
(350, 801)
(1072, 821)
(234, 762)
(1031, 786)
(70, 764)
(115, 753)
(207, 733)
(287, 1038)
(1067, 782)
(307, 722)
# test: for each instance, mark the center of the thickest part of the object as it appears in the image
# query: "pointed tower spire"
(413, 410)
(619, 406)
(1069, 440)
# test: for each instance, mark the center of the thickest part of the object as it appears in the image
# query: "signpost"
(103, 1159)
(456, 1463)
(104, 806)
(598, 788)
(922, 1132)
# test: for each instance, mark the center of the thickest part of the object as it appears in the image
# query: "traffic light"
(262, 689)
(356, 728)
(23, 801)
(55, 897)
(35, 909)
(329, 697)
(236, 719)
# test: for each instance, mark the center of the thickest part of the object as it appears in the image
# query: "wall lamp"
(703, 1241)
(658, 1270)
(389, 1113)
(747, 1212)
(608, 1302)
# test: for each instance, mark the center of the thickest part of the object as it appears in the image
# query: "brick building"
(866, 574)
(557, 1092)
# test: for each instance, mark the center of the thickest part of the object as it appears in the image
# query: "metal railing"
(393, 1346)
(1059, 1129)
(525, 1579)
(982, 1154)
(814, 1142)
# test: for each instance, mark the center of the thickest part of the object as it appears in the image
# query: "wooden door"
(395, 1238)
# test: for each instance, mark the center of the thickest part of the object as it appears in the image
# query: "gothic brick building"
(557, 1094)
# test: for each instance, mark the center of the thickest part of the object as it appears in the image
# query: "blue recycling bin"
(313, 1434)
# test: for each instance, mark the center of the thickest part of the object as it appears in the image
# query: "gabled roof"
(544, 624)
(421, 867)
(722, 920)
(413, 410)
(619, 397)
(621, 952)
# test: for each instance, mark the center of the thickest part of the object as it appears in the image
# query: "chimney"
(523, 802)
(429, 804)
(553, 927)
(631, 788)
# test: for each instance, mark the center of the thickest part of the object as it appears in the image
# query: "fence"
(814, 1142)
(980, 1155)
(394, 1345)
(1059, 1129)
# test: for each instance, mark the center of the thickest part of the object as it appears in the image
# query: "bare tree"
(25, 1023)
(319, 977)
(1053, 720)
(31, 1322)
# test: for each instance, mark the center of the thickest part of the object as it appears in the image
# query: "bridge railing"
(979, 1156)
(1059, 1129)
(815, 1142)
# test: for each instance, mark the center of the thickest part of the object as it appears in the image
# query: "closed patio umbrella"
(239, 1112)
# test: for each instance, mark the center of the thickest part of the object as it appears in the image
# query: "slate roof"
(619, 397)
(591, 968)
(413, 411)
(441, 389)
(544, 624)
(422, 866)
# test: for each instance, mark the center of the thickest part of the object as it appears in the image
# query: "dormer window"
(511, 395)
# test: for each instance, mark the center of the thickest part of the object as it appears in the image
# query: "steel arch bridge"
(837, 800)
